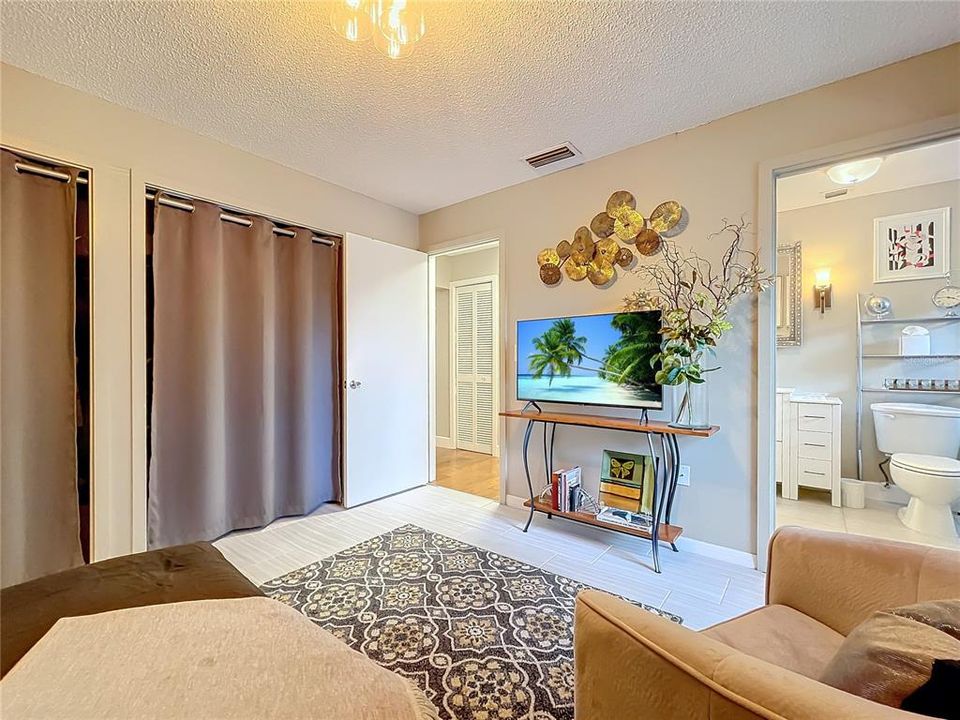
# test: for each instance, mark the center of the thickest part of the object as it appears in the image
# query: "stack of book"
(565, 490)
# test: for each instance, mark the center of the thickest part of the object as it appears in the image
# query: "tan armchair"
(764, 664)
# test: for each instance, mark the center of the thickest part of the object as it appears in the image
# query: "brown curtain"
(245, 418)
(39, 518)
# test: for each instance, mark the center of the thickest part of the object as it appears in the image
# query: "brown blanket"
(174, 574)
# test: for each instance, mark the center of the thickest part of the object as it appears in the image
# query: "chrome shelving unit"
(861, 356)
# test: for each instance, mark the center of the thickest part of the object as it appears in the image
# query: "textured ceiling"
(490, 82)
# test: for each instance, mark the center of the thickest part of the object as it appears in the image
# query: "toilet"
(933, 484)
(923, 442)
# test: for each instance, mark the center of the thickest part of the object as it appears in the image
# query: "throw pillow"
(891, 654)
(938, 697)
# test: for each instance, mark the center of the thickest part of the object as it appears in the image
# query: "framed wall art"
(911, 246)
(789, 309)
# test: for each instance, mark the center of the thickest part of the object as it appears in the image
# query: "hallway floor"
(469, 472)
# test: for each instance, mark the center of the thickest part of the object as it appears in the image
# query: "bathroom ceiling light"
(851, 173)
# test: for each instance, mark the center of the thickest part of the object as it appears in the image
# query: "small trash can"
(852, 493)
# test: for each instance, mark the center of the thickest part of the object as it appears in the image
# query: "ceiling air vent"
(556, 158)
(834, 193)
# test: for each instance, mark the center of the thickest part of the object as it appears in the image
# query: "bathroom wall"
(839, 236)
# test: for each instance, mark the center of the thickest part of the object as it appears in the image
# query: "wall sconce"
(822, 289)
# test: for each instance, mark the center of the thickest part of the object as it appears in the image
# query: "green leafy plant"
(695, 298)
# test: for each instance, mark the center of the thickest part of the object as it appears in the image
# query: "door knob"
(354, 384)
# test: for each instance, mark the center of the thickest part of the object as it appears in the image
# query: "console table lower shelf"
(666, 469)
(667, 533)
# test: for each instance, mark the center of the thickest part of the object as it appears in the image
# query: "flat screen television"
(590, 360)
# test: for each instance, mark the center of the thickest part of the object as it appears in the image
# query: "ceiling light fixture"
(394, 25)
(851, 173)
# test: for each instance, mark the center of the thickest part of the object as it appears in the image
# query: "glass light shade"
(401, 21)
(392, 47)
(354, 20)
(854, 172)
(821, 278)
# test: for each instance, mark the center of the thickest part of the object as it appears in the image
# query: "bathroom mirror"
(788, 295)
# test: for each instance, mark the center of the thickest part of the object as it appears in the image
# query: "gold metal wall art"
(595, 253)
(648, 242)
(665, 216)
(602, 225)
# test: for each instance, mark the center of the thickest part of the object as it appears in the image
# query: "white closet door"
(475, 346)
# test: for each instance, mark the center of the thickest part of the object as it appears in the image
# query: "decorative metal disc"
(550, 274)
(629, 224)
(548, 256)
(583, 246)
(665, 216)
(648, 242)
(564, 249)
(602, 225)
(600, 272)
(575, 271)
(624, 257)
(607, 250)
(619, 201)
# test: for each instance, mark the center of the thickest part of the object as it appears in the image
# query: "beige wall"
(712, 170)
(127, 150)
(839, 236)
(451, 268)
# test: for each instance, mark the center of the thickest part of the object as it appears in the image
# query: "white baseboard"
(876, 492)
(515, 501)
(717, 552)
(446, 442)
(698, 547)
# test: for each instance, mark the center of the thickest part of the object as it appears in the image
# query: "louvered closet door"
(475, 339)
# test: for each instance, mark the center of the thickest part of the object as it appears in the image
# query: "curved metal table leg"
(673, 446)
(526, 469)
(655, 506)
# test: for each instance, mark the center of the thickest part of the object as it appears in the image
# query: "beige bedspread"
(242, 658)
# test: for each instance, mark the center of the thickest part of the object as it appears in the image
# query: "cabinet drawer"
(814, 445)
(811, 416)
(814, 473)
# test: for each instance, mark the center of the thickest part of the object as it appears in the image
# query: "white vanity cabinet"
(812, 444)
(783, 434)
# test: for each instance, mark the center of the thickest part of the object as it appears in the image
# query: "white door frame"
(472, 242)
(769, 171)
(453, 285)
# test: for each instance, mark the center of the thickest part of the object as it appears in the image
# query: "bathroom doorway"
(868, 344)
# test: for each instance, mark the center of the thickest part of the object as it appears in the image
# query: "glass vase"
(694, 410)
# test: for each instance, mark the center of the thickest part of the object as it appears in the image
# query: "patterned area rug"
(485, 636)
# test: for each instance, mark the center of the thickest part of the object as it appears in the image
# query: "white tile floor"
(878, 519)
(702, 590)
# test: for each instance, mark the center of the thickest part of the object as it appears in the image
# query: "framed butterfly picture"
(627, 475)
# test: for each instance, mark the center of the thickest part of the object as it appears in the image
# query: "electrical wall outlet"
(684, 478)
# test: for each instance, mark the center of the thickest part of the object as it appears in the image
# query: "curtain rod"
(236, 219)
(47, 172)
(170, 202)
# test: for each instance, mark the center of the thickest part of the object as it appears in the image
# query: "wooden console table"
(666, 469)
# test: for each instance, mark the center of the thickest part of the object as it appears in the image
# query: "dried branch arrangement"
(695, 297)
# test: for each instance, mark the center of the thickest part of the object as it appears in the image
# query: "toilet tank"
(917, 428)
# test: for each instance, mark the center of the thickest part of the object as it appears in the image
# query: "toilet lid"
(926, 463)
